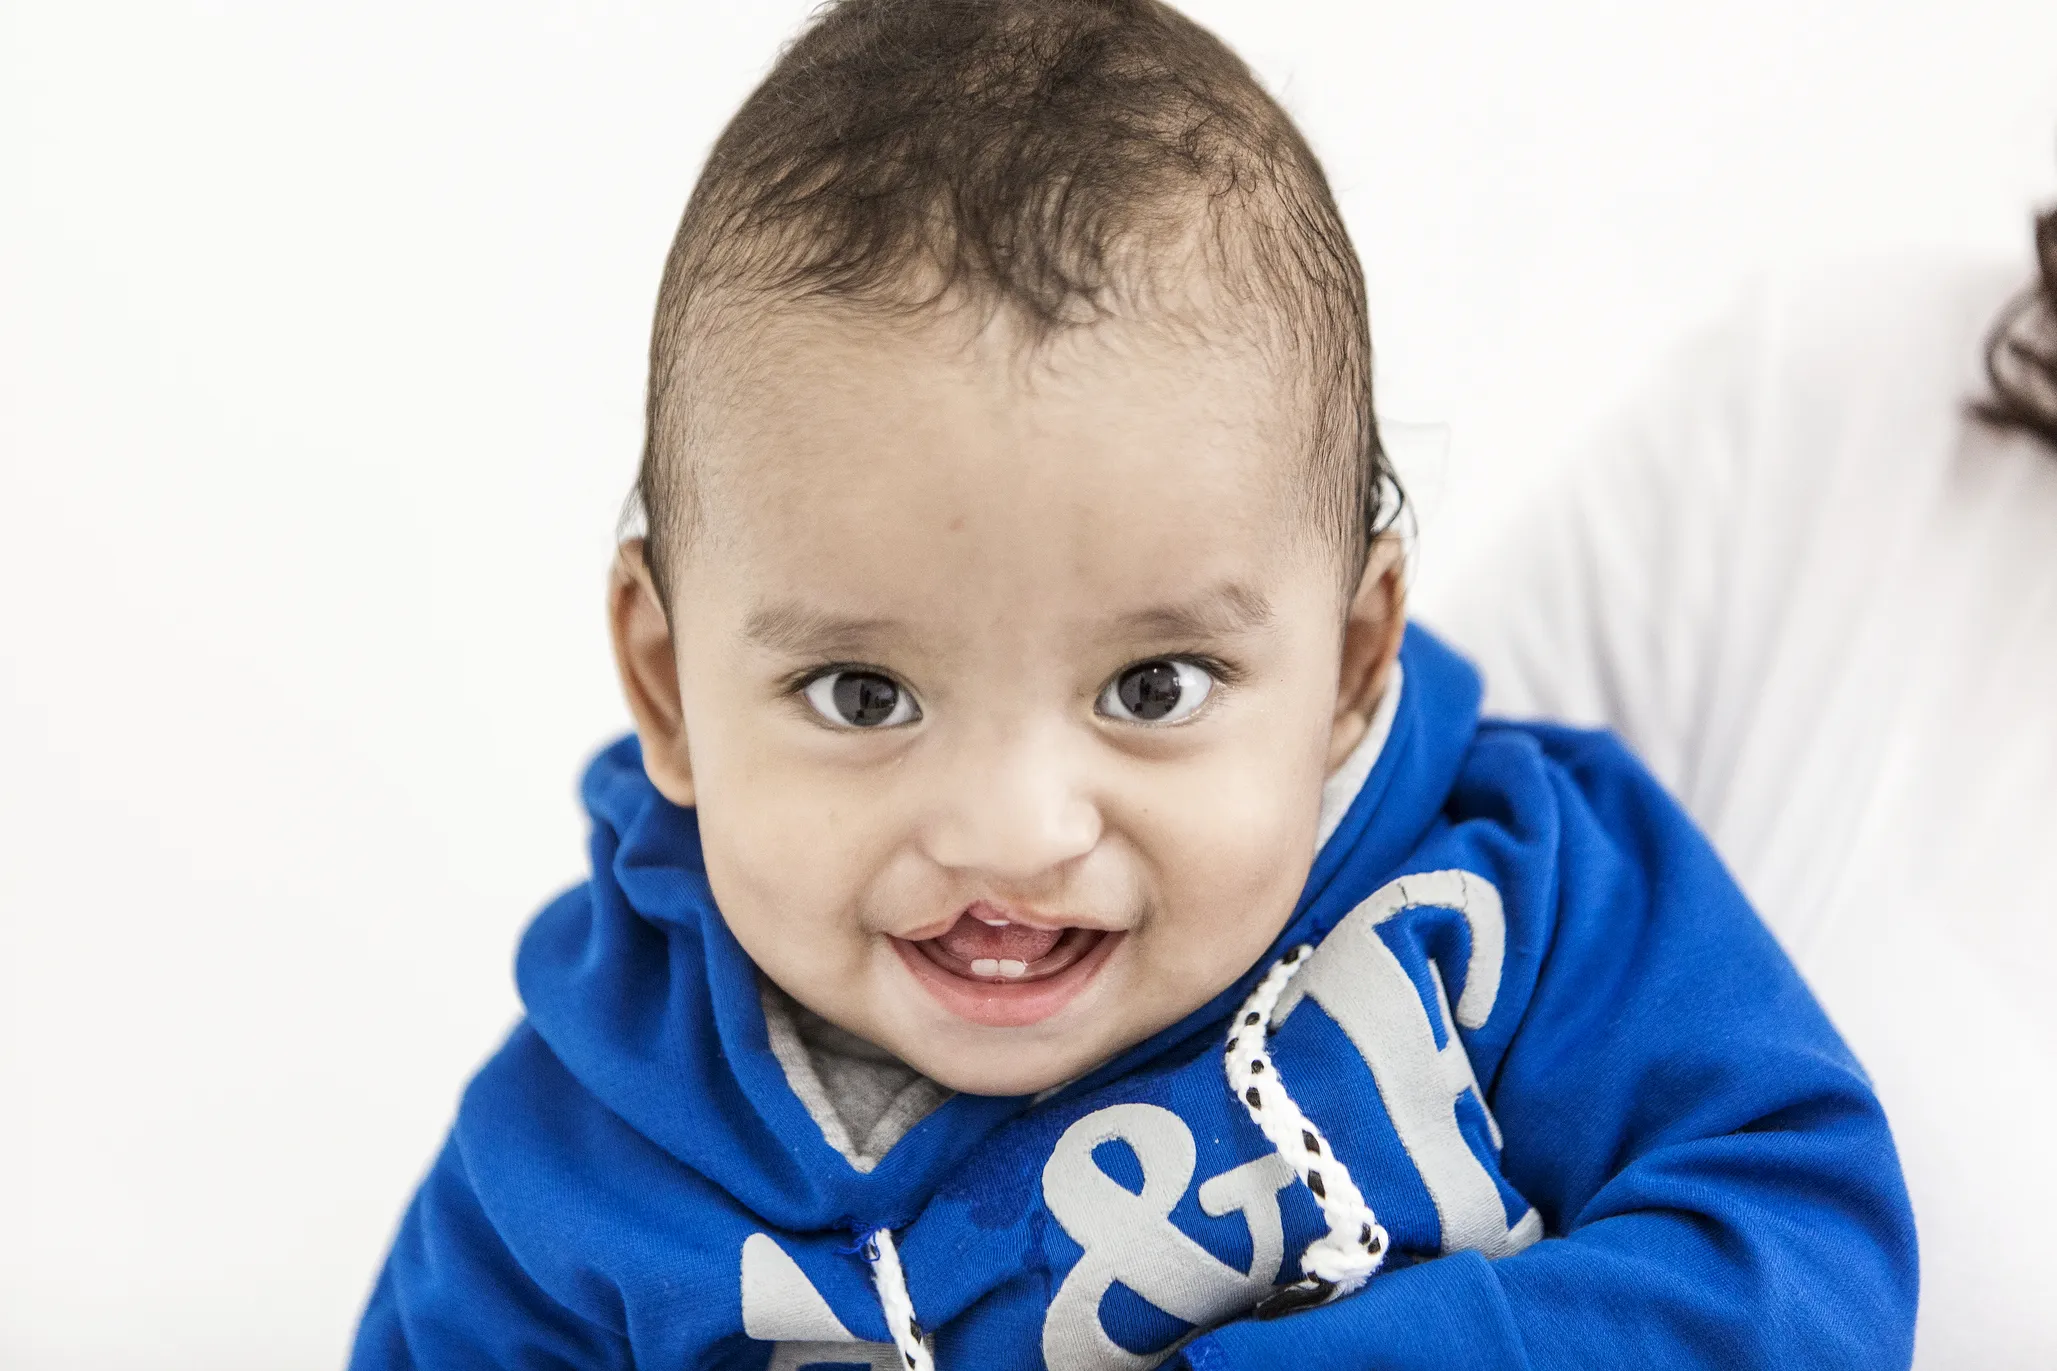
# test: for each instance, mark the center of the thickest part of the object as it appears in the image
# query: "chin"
(993, 1070)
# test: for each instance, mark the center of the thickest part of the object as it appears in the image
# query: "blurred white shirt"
(1821, 601)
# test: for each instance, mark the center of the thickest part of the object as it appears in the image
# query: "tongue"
(969, 940)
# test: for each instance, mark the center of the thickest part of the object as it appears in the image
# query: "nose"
(1016, 809)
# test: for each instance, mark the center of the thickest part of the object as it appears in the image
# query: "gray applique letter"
(1360, 984)
(1130, 1238)
(781, 1305)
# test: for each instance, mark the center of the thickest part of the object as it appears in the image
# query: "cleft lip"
(993, 913)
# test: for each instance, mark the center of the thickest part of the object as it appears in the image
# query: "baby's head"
(1015, 572)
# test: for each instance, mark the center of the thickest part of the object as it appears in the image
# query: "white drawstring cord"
(891, 1282)
(1354, 1247)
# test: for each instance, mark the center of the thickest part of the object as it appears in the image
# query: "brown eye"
(860, 699)
(1163, 691)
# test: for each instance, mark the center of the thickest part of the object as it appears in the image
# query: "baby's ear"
(644, 654)
(1372, 630)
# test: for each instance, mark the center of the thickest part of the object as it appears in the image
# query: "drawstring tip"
(1291, 1299)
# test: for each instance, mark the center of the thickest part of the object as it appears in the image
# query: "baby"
(1053, 912)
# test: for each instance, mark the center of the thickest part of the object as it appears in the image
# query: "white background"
(321, 336)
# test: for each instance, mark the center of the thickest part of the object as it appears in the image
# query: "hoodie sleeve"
(1716, 1176)
(453, 1298)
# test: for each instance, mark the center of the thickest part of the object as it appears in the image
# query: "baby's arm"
(1718, 1173)
(452, 1295)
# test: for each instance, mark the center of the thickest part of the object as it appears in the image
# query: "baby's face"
(1005, 686)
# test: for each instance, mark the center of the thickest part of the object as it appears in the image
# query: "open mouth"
(1003, 973)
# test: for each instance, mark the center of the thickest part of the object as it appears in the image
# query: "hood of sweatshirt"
(639, 990)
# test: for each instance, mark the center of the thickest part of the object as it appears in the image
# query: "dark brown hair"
(2021, 353)
(1040, 156)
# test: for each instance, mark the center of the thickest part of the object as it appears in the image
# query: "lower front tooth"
(985, 966)
(1009, 967)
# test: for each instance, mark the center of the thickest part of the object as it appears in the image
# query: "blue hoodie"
(1598, 1117)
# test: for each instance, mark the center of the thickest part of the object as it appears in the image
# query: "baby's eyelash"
(796, 682)
(1228, 673)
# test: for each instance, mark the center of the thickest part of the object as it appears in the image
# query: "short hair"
(2021, 350)
(1037, 156)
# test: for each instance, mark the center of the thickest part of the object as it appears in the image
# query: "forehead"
(857, 461)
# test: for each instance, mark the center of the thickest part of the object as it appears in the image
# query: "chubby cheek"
(1226, 907)
(788, 858)
(1228, 870)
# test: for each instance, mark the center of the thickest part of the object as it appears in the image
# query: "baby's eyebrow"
(1226, 610)
(794, 630)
